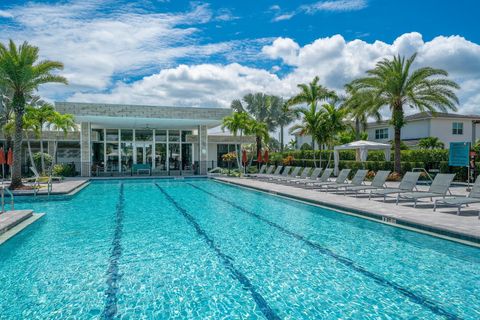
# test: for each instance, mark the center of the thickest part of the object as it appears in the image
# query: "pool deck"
(63, 187)
(14, 221)
(443, 223)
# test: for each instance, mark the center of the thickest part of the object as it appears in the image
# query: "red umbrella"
(244, 156)
(259, 156)
(265, 156)
(10, 157)
(2, 156)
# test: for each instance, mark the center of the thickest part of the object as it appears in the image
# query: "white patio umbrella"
(362, 147)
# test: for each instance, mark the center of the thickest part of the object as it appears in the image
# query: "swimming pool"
(201, 249)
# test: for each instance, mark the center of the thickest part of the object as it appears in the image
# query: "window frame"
(457, 128)
(381, 133)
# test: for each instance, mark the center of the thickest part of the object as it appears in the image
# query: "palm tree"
(21, 73)
(259, 130)
(310, 94)
(41, 114)
(430, 143)
(237, 124)
(360, 108)
(286, 115)
(61, 123)
(261, 107)
(393, 83)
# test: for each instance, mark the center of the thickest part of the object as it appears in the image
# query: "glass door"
(140, 154)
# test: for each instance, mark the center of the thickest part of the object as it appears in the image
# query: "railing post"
(3, 199)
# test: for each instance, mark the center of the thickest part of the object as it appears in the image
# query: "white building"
(448, 127)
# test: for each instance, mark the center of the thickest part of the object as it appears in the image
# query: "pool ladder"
(12, 200)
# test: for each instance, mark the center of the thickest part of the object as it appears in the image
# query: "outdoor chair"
(323, 178)
(357, 180)
(268, 175)
(378, 182)
(342, 177)
(284, 173)
(262, 170)
(439, 188)
(472, 197)
(288, 176)
(408, 183)
(307, 173)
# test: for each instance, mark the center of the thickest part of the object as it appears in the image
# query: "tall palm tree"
(309, 95)
(261, 107)
(22, 73)
(360, 107)
(259, 130)
(393, 83)
(285, 116)
(237, 124)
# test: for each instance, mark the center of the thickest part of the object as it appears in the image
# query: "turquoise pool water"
(198, 249)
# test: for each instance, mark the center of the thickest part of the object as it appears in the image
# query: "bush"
(37, 158)
(64, 170)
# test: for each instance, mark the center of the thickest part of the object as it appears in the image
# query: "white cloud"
(335, 5)
(283, 17)
(335, 60)
(5, 14)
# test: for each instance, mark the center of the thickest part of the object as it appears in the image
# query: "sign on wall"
(459, 154)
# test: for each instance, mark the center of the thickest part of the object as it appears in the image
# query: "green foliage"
(306, 146)
(430, 143)
(64, 170)
(37, 158)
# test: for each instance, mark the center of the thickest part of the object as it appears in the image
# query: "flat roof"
(141, 116)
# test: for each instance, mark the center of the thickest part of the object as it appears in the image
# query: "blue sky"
(189, 53)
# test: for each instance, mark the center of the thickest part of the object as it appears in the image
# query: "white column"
(203, 146)
(85, 149)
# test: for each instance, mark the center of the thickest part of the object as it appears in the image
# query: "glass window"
(381, 133)
(187, 158)
(97, 135)
(112, 134)
(143, 135)
(161, 135)
(174, 156)
(185, 134)
(126, 134)
(127, 156)
(457, 128)
(112, 157)
(174, 135)
(161, 156)
(97, 154)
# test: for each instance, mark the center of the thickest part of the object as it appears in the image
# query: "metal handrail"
(12, 202)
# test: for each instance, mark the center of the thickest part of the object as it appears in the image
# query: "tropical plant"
(61, 124)
(430, 143)
(259, 130)
(285, 116)
(21, 73)
(237, 124)
(262, 108)
(393, 83)
(310, 94)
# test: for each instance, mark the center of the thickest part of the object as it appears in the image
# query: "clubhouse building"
(120, 139)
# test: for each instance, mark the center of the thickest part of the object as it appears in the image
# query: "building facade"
(447, 127)
(114, 139)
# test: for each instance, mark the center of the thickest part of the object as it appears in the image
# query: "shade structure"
(244, 156)
(362, 147)
(259, 156)
(2, 156)
(265, 156)
(10, 157)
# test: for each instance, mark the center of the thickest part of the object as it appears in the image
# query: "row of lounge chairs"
(318, 179)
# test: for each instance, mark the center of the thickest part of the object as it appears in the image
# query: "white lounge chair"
(378, 182)
(342, 177)
(291, 175)
(408, 183)
(323, 178)
(357, 180)
(439, 188)
(269, 175)
(472, 197)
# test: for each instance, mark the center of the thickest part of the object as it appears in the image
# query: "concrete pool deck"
(444, 222)
(14, 221)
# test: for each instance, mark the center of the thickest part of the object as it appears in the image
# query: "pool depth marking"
(423, 301)
(226, 260)
(113, 275)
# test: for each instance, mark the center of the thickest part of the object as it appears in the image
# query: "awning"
(362, 147)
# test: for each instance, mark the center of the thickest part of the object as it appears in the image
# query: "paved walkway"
(65, 186)
(443, 222)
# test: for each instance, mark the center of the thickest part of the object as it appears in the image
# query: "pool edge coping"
(458, 237)
(19, 227)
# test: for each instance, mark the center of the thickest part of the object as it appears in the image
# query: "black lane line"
(113, 275)
(416, 298)
(226, 260)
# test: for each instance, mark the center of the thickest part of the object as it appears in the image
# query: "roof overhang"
(141, 116)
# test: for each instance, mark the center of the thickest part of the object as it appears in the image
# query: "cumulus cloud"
(335, 60)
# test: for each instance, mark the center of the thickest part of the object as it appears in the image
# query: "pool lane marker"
(418, 299)
(226, 260)
(113, 275)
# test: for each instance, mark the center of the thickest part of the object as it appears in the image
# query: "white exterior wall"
(411, 131)
(303, 139)
(212, 152)
(442, 128)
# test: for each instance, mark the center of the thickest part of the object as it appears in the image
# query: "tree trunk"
(30, 150)
(357, 129)
(42, 158)
(281, 139)
(314, 157)
(398, 122)
(259, 145)
(398, 167)
(18, 105)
